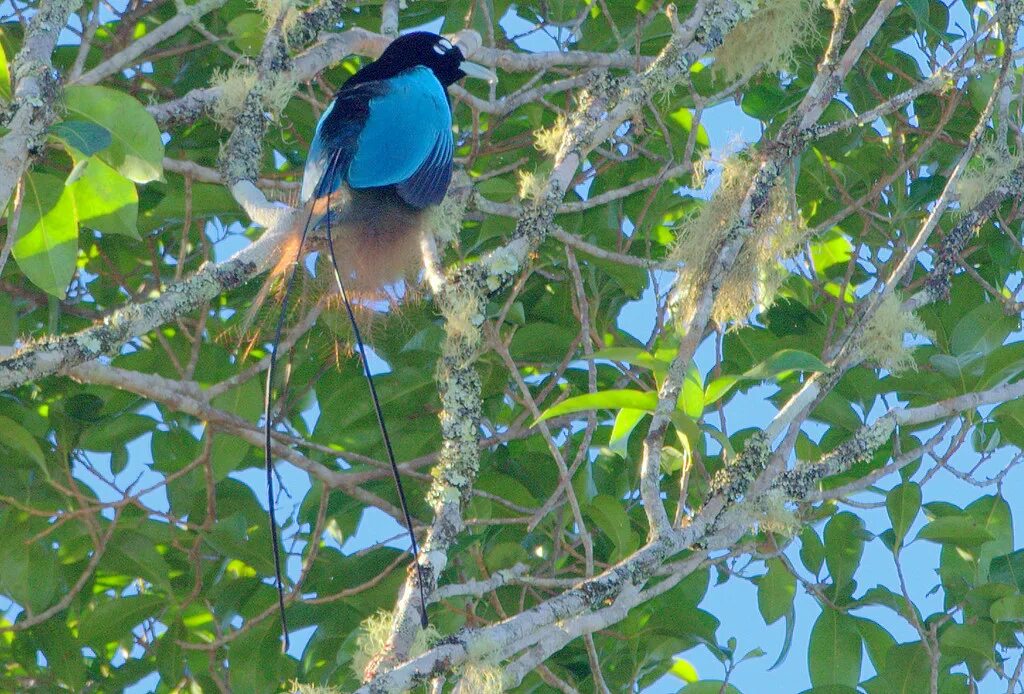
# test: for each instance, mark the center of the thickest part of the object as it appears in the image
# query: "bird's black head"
(410, 50)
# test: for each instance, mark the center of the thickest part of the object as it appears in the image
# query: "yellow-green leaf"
(684, 670)
(136, 151)
(46, 246)
(604, 400)
(106, 200)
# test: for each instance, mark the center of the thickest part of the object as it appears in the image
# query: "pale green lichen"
(500, 264)
(479, 678)
(464, 315)
(445, 220)
(757, 272)
(774, 516)
(278, 10)
(373, 638)
(531, 186)
(882, 340)
(767, 39)
(549, 140)
(300, 688)
(238, 83)
(990, 168)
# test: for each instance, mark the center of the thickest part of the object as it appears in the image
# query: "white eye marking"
(442, 46)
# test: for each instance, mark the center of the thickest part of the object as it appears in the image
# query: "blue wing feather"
(390, 132)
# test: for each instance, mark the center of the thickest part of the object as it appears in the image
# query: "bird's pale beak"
(478, 71)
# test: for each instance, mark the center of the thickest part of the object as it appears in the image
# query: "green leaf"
(877, 641)
(1008, 609)
(114, 432)
(63, 652)
(781, 362)
(625, 422)
(230, 537)
(46, 246)
(16, 440)
(106, 200)
(963, 641)
(835, 651)
(1009, 569)
(229, 451)
(962, 531)
(82, 136)
(137, 151)
(609, 515)
(28, 572)
(603, 400)
(787, 641)
(812, 552)
(903, 502)
(709, 687)
(907, 669)
(5, 76)
(776, 591)
(844, 546)
(113, 620)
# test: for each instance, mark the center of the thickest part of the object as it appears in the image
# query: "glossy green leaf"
(5, 76)
(836, 651)
(907, 669)
(779, 363)
(16, 440)
(962, 531)
(106, 200)
(1008, 609)
(844, 546)
(82, 136)
(709, 687)
(113, 620)
(812, 551)
(1009, 569)
(137, 150)
(604, 400)
(625, 422)
(46, 247)
(608, 515)
(903, 503)
(776, 590)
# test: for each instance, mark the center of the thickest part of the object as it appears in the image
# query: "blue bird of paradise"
(385, 145)
(381, 155)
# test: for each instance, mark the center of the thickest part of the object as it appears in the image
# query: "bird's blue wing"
(336, 139)
(430, 182)
(407, 140)
(396, 131)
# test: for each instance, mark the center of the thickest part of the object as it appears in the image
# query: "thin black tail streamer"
(268, 458)
(414, 548)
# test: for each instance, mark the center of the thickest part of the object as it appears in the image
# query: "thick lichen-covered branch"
(36, 93)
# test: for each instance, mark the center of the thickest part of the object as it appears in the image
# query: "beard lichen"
(238, 82)
(445, 220)
(549, 140)
(273, 10)
(757, 273)
(479, 678)
(990, 168)
(767, 40)
(373, 638)
(881, 341)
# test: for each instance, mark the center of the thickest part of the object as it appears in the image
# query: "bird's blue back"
(391, 132)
